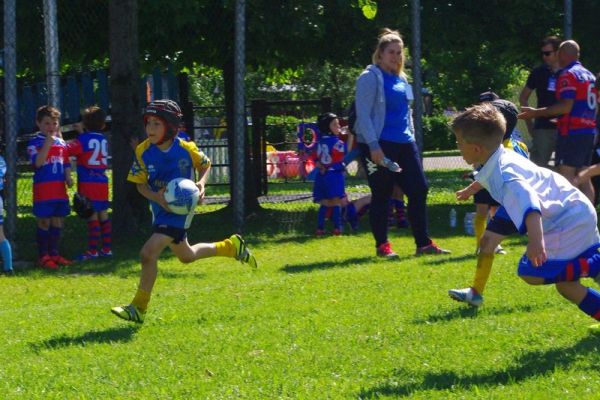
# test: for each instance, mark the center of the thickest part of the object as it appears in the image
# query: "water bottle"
(453, 218)
(391, 165)
(469, 228)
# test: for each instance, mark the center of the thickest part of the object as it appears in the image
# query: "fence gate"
(260, 109)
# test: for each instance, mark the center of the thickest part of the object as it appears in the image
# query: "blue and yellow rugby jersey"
(156, 168)
(517, 146)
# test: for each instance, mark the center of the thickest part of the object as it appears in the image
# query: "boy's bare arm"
(536, 248)
(41, 156)
(469, 191)
(157, 197)
(587, 173)
(202, 177)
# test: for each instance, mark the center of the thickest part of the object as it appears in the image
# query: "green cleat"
(242, 252)
(129, 313)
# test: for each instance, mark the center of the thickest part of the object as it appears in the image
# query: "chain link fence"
(284, 184)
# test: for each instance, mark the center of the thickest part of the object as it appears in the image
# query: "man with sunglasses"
(543, 80)
(577, 102)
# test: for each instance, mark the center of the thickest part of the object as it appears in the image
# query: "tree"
(128, 205)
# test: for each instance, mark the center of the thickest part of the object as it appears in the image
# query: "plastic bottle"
(453, 218)
(469, 228)
(391, 165)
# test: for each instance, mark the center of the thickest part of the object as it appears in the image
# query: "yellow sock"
(482, 273)
(479, 224)
(141, 300)
(225, 248)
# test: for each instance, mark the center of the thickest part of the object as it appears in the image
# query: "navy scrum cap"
(488, 96)
(324, 121)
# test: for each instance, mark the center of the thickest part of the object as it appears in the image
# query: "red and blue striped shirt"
(578, 84)
(91, 151)
(49, 178)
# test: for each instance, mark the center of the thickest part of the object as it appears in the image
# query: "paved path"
(450, 162)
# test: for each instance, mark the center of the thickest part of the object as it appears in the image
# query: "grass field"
(320, 319)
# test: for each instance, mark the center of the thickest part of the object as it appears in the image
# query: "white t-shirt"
(568, 218)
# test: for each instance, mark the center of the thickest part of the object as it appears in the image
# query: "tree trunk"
(130, 209)
(250, 191)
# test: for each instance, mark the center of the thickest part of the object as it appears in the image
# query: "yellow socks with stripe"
(141, 300)
(225, 248)
(482, 273)
(479, 224)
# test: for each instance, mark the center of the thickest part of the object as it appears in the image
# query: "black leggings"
(411, 180)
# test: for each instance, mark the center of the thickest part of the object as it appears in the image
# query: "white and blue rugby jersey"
(568, 218)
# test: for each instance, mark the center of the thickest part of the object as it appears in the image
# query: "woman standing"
(384, 130)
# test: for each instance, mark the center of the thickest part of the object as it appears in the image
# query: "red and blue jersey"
(157, 168)
(49, 178)
(330, 152)
(578, 84)
(91, 152)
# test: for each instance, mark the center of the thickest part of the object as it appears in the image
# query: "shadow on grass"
(110, 335)
(444, 259)
(299, 268)
(526, 366)
(465, 312)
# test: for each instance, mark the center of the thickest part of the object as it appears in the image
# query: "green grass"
(320, 318)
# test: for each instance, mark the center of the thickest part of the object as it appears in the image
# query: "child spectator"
(91, 152)
(559, 219)
(48, 154)
(489, 235)
(159, 159)
(5, 249)
(328, 189)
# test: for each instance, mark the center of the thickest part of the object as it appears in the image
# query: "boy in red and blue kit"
(48, 154)
(328, 189)
(91, 152)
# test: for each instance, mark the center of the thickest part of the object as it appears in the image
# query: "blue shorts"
(501, 223)
(98, 206)
(53, 208)
(178, 234)
(574, 150)
(552, 268)
(328, 186)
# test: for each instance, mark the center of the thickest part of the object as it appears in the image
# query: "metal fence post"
(239, 111)
(568, 19)
(416, 72)
(10, 116)
(51, 47)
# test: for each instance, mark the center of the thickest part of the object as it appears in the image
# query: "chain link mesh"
(82, 51)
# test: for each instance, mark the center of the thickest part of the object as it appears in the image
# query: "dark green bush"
(437, 134)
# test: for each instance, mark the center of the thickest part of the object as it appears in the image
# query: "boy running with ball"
(159, 159)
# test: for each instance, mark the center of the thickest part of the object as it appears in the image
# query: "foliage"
(436, 134)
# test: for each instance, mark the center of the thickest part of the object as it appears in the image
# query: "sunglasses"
(547, 53)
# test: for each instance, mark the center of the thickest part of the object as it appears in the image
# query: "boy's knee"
(487, 245)
(186, 259)
(146, 256)
(43, 223)
(532, 280)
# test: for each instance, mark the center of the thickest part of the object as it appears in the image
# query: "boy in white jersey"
(559, 220)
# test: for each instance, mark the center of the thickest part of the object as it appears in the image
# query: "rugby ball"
(182, 196)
